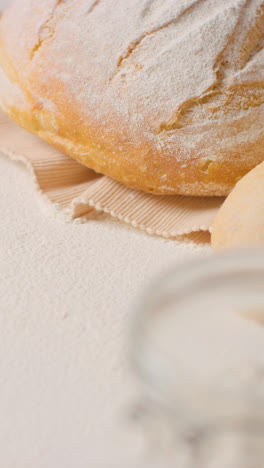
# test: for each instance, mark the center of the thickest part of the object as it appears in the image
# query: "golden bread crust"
(166, 97)
(240, 221)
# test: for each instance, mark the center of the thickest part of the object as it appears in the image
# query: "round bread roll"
(240, 221)
(166, 96)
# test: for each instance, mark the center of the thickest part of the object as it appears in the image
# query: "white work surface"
(66, 293)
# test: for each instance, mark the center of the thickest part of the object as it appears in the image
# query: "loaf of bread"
(240, 221)
(166, 96)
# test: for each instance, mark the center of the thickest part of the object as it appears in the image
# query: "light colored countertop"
(66, 296)
(66, 293)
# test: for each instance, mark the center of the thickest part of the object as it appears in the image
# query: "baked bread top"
(163, 95)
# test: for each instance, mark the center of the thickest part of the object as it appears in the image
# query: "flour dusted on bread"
(165, 96)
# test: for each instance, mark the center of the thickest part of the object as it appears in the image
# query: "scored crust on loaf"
(162, 95)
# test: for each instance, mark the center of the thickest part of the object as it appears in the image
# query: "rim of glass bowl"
(242, 265)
